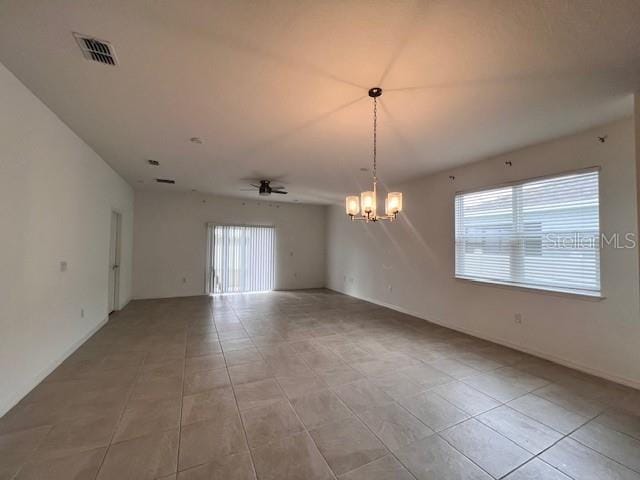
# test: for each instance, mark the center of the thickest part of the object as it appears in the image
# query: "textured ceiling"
(278, 88)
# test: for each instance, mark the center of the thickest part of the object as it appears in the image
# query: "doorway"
(114, 261)
(240, 259)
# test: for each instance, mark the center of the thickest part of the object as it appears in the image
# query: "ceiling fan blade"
(257, 186)
(276, 188)
(279, 191)
(247, 190)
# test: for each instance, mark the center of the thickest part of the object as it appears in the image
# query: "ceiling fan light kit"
(364, 207)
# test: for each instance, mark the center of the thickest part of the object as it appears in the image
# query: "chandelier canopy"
(364, 207)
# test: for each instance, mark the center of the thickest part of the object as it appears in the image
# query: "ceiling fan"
(265, 188)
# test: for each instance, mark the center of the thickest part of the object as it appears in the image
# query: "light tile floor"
(312, 385)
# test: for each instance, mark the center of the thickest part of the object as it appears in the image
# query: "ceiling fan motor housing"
(265, 188)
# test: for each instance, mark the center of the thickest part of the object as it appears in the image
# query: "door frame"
(210, 268)
(117, 254)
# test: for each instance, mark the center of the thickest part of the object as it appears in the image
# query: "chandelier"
(365, 206)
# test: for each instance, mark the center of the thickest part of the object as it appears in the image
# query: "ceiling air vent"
(165, 180)
(96, 50)
(155, 163)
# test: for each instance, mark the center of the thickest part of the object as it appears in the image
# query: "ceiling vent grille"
(96, 50)
(165, 180)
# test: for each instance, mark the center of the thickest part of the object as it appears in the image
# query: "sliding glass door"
(240, 258)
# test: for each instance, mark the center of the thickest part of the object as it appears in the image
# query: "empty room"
(319, 240)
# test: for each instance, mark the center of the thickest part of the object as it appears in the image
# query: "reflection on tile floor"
(311, 385)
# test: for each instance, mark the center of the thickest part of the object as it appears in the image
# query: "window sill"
(594, 297)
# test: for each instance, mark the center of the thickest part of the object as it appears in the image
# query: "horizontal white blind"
(242, 259)
(543, 233)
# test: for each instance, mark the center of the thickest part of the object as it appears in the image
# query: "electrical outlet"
(63, 266)
(390, 288)
(517, 318)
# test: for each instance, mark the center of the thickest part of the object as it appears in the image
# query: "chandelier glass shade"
(364, 207)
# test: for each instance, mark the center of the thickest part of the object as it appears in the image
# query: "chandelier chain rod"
(375, 137)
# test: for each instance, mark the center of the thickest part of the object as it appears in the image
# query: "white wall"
(170, 240)
(636, 118)
(56, 197)
(415, 258)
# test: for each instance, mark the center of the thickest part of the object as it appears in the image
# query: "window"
(542, 233)
(240, 258)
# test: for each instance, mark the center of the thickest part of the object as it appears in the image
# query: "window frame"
(583, 294)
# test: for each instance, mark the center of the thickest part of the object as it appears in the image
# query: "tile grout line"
(534, 456)
(124, 409)
(550, 447)
(235, 397)
(437, 433)
(563, 437)
(628, 435)
(390, 452)
(184, 369)
(329, 388)
(461, 453)
(35, 449)
(305, 429)
(596, 451)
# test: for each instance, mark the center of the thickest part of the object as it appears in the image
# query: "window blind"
(543, 233)
(240, 258)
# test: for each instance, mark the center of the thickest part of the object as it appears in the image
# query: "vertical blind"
(240, 258)
(542, 233)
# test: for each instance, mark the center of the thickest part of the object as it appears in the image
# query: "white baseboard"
(204, 294)
(29, 385)
(531, 351)
(170, 296)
